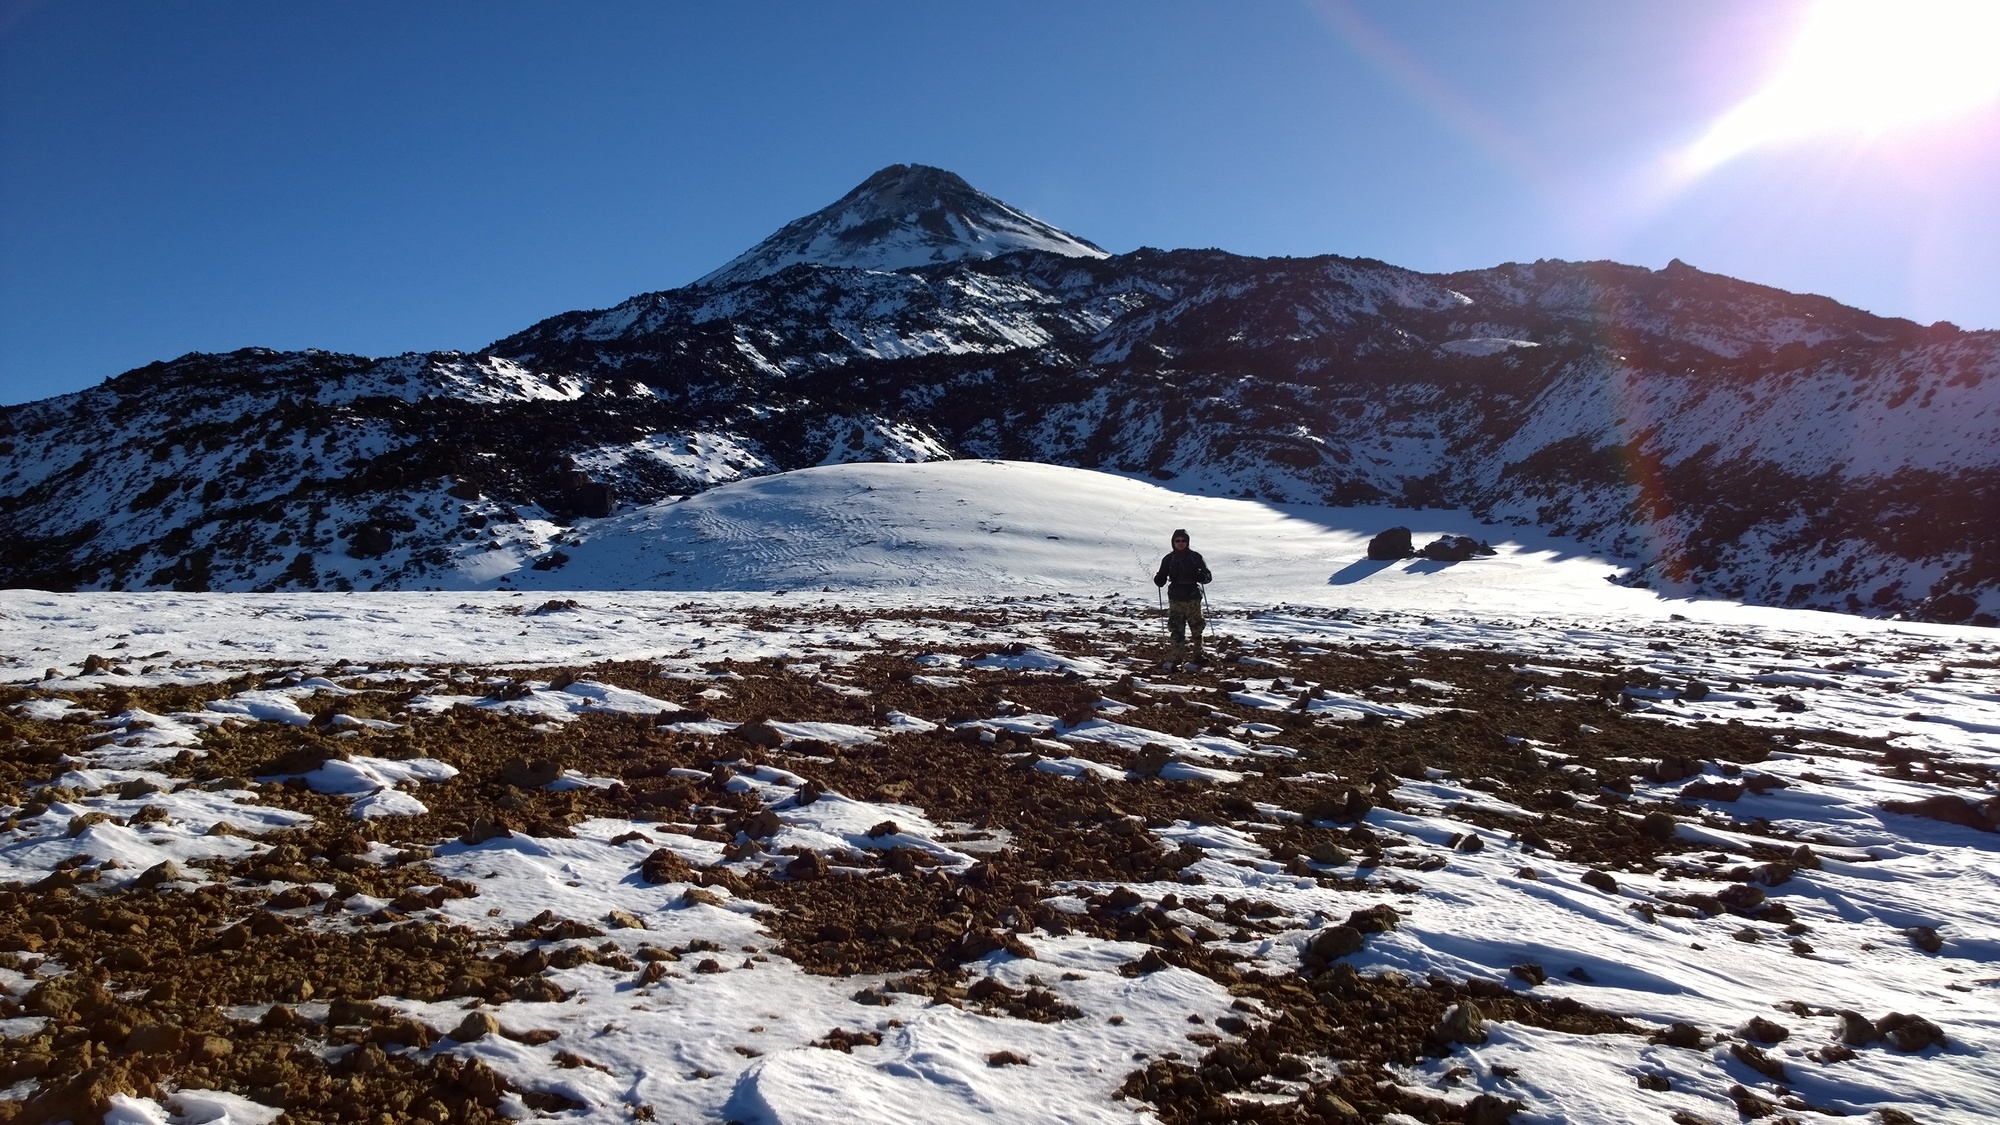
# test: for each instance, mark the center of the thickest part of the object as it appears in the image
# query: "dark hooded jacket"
(1180, 572)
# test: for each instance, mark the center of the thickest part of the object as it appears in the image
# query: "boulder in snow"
(1391, 544)
(1455, 548)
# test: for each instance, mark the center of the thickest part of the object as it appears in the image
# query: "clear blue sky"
(382, 177)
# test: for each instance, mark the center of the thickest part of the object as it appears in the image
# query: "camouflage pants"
(1182, 618)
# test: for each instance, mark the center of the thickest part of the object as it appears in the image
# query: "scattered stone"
(1673, 767)
(1856, 1030)
(127, 959)
(155, 1039)
(1657, 825)
(1924, 938)
(1772, 874)
(538, 990)
(1330, 854)
(620, 920)
(411, 1033)
(665, 865)
(483, 830)
(759, 733)
(1678, 1034)
(1376, 919)
(281, 1017)
(1764, 1031)
(1335, 942)
(525, 774)
(1006, 1058)
(476, 1026)
(1123, 898)
(1491, 1109)
(1533, 974)
(1602, 880)
(1151, 760)
(1724, 791)
(1755, 1058)
(1454, 548)
(77, 824)
(1908, 1033)
(1333, 1107)
(1749, 1104)
(808, 866)
(1953, 809)
(1762, 783)
(1740, 897)
(1462, 1023)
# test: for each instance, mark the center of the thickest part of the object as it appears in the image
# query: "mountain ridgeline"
(1725, 438)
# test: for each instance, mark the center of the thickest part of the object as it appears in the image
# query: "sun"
(1866, 68)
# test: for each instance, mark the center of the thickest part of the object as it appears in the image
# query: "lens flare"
(1865, 68)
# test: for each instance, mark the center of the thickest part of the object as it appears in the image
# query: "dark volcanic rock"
(1462, 1023)
(1952, 809)
(1392, 544)
(1908, 1033)
(1334, 942)
(1454, 548)
(1602, 880)
(1673, 767)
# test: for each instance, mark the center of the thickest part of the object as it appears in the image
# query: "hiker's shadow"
(1359, 569)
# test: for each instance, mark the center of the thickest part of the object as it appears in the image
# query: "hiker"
(1183, 573)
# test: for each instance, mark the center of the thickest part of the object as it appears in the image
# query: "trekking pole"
(1213, 636)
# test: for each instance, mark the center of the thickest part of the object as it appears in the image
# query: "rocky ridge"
(1726, 438)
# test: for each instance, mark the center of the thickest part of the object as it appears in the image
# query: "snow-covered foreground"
(1490, 716)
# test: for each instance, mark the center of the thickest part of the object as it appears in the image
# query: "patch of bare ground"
(156, 968)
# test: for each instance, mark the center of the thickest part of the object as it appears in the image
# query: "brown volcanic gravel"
(157, 968)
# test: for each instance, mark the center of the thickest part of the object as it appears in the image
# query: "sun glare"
(1865, 68)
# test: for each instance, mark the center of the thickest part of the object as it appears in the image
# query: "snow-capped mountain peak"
(902, 216)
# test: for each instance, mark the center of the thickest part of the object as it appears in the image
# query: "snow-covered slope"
(903, 216)
(975, 530)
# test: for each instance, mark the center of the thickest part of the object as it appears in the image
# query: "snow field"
(1931, 692)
